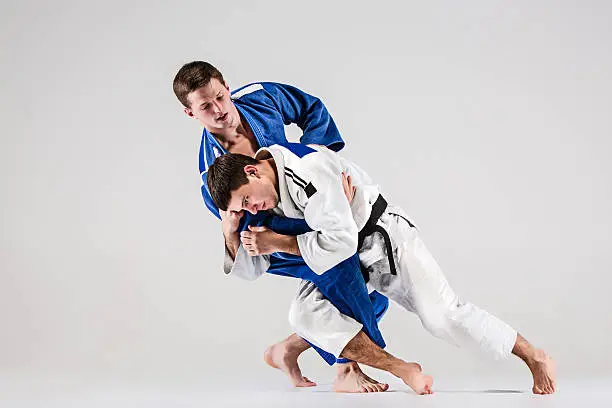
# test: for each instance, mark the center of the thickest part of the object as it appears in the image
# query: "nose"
(217, 107)
(251, 208)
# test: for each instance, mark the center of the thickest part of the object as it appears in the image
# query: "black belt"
(370, 228)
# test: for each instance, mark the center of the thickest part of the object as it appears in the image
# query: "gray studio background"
(488, 121)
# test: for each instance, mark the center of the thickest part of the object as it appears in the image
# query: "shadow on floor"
(480, 391)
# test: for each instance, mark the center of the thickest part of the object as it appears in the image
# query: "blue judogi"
(267, 107)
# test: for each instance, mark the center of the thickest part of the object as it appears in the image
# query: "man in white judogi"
(302, 182)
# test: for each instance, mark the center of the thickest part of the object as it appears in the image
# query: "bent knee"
(436, 325)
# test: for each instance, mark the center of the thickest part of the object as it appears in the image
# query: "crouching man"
(305, 182)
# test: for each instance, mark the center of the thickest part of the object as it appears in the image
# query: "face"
(259, 194)
(212, 107)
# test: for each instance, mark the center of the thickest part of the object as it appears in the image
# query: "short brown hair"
(192, 76)
(226, 175)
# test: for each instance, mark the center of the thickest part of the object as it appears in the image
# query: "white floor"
(580, 393)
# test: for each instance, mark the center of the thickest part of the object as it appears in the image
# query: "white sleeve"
(327, 212)
(245, 266)
(315, 318)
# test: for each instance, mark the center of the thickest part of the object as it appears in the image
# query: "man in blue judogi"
(242, 121)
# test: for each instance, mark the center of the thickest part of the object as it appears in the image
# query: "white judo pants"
(419, 287)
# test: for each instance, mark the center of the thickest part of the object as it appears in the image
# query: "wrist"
(231, 247)
(232, 239)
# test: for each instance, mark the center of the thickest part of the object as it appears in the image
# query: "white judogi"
(310, 188)
(419, 285)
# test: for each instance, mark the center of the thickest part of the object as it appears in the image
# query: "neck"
(231, 134)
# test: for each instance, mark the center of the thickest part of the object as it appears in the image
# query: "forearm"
(232, 243)
(288, 244)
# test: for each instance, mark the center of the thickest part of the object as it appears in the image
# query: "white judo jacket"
(310, 188)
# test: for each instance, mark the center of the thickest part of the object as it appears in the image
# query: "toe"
(306, 379)
(304, 382)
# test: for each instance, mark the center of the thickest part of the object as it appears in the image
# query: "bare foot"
(543, 369)
(284, 356)
(350, 378)
(412, 375)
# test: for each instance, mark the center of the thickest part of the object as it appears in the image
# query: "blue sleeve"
(306, 111)
(207, 198)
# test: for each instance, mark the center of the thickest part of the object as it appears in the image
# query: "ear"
(251, 170)
(226, 85)
(188, 112)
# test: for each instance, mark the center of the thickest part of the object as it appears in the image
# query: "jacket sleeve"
(245, 266)
(306, 111)
(327, 212)
(252, 267)
(207, 197)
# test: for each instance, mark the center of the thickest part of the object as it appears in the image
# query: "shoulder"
(310, 171)
(247, 89)
(254, 87)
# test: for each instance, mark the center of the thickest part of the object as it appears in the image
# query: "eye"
(204, 107)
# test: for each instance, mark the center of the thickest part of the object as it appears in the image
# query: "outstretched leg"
(421, 287)
(540, 364)
(361, 349)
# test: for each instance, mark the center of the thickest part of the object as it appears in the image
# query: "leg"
(421, 287)
(315, 318)
(542, 367)
(312, 316)
(363, 350)
(284, 356)
(350, 378)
